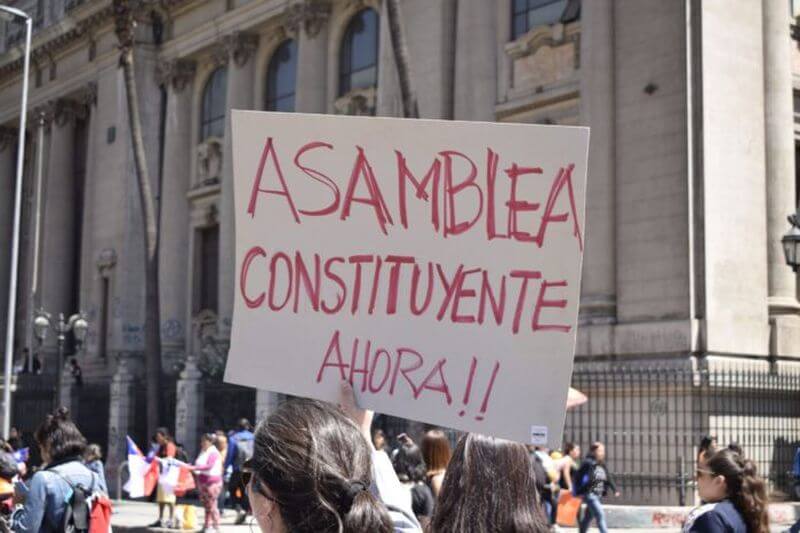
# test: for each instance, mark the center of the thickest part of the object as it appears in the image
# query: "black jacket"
(599, 480)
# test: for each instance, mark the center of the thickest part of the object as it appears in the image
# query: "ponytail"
(366, 515)
(751, 499)
(746, 490)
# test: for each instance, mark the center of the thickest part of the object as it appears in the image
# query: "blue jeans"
(594, 510)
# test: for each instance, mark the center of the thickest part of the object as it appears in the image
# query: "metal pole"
(62, 330)
(12, 290)
(37, 229)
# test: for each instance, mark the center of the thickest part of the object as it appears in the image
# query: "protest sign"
(436, 265)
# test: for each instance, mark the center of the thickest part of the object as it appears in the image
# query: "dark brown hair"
(436, 450)
(319, 468)
(60, 436)
(489, 486)
(746, 490)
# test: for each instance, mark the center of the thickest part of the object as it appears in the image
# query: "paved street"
(134, 517)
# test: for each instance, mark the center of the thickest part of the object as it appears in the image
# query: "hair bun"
(62, 413)
(354, 488)
(750, 468)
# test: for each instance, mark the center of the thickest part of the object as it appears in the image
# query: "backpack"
(87, 510)
(243, 452)
(582, 479)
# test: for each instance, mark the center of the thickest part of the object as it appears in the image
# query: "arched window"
(212, 118)
(358, 57)
(281, 76)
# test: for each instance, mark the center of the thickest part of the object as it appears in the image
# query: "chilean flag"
(143, 472)
(176, 477)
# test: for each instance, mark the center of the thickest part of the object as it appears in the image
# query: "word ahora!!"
(440, 187)
(385, 371)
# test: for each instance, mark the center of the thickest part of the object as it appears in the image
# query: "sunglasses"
(701, 472)
(251, 482)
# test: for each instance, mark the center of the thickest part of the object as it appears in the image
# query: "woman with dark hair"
(165, 449)
(44, 502)
(410, 469)
(314, 470)
(489, 486)
(568, 465)
(436, 453)
(735, 496)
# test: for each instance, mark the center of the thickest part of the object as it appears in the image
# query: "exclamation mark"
(485, 403)
(470, 379)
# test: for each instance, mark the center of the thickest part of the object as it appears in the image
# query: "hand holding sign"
(433, 265)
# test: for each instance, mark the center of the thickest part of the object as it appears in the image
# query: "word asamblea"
(440, 186)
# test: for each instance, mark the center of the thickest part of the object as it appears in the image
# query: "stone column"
(121, 412)
(475, 87)
(189, 406)
(307, 20)
(239, 49)
(58, 215)
(8, 143)
(780, 174)
(598, 289)
(177, 77)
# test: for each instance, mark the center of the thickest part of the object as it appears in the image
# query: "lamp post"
(7, 14)
(791, 242)
(77, 323)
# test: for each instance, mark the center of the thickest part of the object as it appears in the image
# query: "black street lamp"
(77, 323)
(791, 242)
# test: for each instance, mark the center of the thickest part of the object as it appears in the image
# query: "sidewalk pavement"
(130, 516)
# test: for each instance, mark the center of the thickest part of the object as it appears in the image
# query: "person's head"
(312, 470)
(436, 450)
(207, 440)
(162, 436)
(73, 362)
(726, 475)
(465, 505)
(222, 440)
(243, 425)
(13, 433)
(408, 463)
(379, 439)
(8, 466)
(598, 451)
(573, 450)
(59, 438)
(92, 453)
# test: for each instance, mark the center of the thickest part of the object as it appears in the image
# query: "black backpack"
(76, 513)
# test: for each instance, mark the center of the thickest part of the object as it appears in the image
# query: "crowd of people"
(316, 467)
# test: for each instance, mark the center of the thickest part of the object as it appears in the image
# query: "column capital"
(68, 111)
(178, 73)
(43, 115)
(310, 15)
(240, 46)
(88, 97)
(8, 138)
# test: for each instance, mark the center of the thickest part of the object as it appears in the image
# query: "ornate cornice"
(310, 15)
(240, 47)
(179, 73)
(59, 41)
(68, 111)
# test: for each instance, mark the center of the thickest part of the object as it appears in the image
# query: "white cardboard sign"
(434, 264)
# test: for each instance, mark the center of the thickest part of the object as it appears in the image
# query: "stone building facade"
(692, 172)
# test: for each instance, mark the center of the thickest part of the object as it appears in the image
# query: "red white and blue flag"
(143, 472)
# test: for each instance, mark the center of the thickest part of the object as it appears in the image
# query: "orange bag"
(568, 507)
